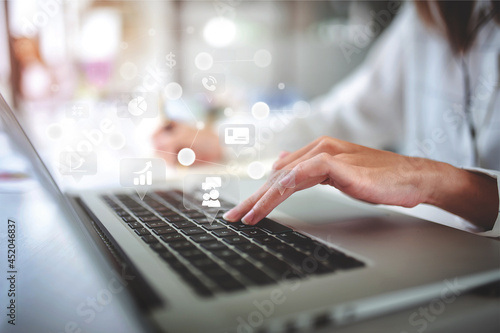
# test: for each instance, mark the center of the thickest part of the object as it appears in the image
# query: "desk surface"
(57, 287)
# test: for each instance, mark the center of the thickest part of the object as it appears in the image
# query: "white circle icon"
(260, 110)
(256, 170)
(186, 156)
(173, 91)
(214, 194)
(137, 106)
(203, 61)
(128, 70)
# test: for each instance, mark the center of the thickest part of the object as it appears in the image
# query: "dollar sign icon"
(170, 60)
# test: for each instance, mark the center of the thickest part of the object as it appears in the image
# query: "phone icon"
(209, 83)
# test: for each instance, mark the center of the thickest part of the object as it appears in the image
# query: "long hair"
(456, 16)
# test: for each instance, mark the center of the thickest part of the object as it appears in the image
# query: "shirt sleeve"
(495, 231)
(367, 107)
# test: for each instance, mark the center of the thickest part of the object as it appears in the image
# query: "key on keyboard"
(221, 256)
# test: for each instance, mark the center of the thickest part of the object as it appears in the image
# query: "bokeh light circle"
(203, 61)
(262, 58)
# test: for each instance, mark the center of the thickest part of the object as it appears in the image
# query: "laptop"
(190, 273)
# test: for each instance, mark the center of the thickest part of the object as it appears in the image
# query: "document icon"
(237, 135)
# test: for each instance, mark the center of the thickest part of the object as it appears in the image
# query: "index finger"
(306, 174)
(244, 207)
(266, 203)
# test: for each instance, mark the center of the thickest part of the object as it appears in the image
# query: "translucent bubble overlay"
(54, 131)
(173, 91)
(260, 110)
(128, 70)
(256, 170)
(301, 109)
(262, 58)
(204, 61)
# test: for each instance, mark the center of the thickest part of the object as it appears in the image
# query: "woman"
(430, 88)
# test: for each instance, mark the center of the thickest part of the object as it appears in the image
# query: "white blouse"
(410, 95)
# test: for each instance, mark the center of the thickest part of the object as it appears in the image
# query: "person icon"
(211, 199)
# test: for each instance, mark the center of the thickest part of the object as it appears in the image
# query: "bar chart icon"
(141, 172)
(144, 179)
(144, 176)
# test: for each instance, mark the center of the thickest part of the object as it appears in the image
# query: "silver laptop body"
(405, 261)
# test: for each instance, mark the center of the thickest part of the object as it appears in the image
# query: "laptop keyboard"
(219, 256)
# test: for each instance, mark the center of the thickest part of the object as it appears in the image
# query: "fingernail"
(285, 180)
(248, 219)
(230, 215)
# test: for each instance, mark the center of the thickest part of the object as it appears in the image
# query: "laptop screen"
(19, 137)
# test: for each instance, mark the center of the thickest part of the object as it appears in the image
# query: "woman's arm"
(374, 176)
(468, 194)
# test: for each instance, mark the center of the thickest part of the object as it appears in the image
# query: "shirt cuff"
(495, 231)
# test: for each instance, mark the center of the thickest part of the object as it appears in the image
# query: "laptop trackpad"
(320, 205)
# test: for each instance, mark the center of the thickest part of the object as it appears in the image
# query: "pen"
(168, 123)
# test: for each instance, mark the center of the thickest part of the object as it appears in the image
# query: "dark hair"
(456, 16)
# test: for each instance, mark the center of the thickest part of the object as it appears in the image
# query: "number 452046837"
(11, 244)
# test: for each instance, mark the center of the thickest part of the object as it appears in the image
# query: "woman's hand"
(170, 138)
(374, 176)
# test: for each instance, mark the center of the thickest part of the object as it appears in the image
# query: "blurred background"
(65, 65)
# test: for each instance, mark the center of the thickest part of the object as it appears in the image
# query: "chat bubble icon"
(211, 183)
(237, 136)
(77, 164)
(209, 194)
(77, 111)
(137, 106)
(210, 83)
(142, 173)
